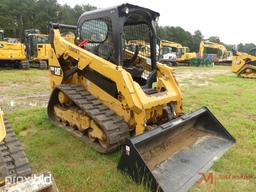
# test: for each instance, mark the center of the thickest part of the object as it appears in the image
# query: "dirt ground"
(182, 75)
(28, 89)
(23, 89)
(199, 76)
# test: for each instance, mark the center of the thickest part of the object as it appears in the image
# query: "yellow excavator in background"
(244, 64)
(225, 57)
(184, 55)
(37, 48)
(12, 54)
(100, 96)
(15, 169)
(172, 52)
(168, 52)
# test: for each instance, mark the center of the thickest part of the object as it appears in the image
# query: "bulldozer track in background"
(113, 126)
(24, 65)
(13, 160)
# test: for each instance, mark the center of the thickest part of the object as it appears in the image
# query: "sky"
(230, 20)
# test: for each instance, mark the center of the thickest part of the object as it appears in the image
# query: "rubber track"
(240, 73)
(24, 65)
(114, 127)
(43, 65)
(13, 160)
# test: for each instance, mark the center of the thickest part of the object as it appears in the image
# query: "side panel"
(55, 71)
(2, 127)
(237, 64)
(43, 51)
(12, 51)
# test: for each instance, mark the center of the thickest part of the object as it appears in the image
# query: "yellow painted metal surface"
(136, 107)
(240, 63)
(72, 116)
(2, 126)
(12, 51)
(43, 51)
(170, 43)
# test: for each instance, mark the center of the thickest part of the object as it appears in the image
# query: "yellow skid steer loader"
(244, 64)
(100, 96)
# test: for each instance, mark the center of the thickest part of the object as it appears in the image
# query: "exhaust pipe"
(171, 157)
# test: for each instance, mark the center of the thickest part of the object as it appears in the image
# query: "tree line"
(17, 15)
(179, 35)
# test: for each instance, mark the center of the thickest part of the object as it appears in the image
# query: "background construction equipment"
(225, 56)
(37, 48)
(172, 52)
(244, 64)
(12, 54)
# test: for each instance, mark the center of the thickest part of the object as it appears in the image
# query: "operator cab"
(181, 51)
(124, 35)
(166, 50)
(33, 37)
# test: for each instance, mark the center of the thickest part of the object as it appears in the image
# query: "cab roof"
(120, 9)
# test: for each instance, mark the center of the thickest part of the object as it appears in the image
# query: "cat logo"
(55, 70)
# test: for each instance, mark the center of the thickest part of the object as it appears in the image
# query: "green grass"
(77, 167)
(233, 102)
(74, 165)
(19, 75)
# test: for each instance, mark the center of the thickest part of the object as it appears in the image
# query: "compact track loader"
(244, 64)
(15, 169)
(12, 54)
(99, 95)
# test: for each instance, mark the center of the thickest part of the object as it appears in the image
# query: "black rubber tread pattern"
(114, 127)
(13, 160)
(43, 65)
(24, 65)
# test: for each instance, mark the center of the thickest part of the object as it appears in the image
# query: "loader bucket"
(173, 156)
